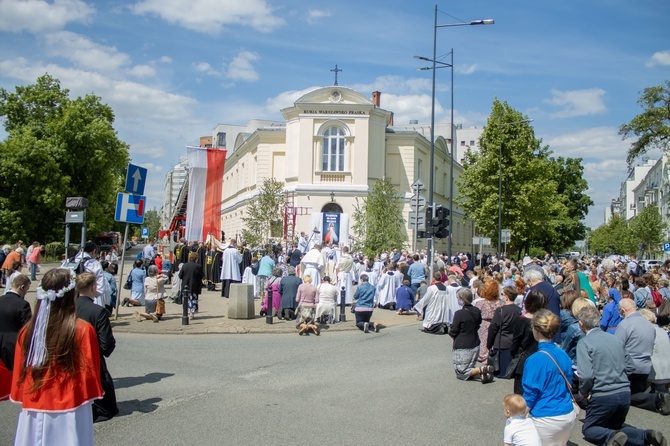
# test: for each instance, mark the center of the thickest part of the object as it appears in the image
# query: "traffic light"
(441, 222)
(437, 225)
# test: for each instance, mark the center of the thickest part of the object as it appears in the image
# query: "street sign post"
(136, 178)
(417, 202)
(130, 208)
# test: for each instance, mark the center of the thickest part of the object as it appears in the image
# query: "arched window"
(333, 150)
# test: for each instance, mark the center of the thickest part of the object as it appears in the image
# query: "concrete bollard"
(241, 301)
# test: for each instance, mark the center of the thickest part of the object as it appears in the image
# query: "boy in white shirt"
(519, 430)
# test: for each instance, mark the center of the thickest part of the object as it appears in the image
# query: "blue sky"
(173, 69)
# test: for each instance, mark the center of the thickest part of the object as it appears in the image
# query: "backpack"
(129, 283)
(255, 268)
(638, 271)
(657, 297)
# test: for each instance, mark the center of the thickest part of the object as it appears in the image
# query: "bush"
(54, 250)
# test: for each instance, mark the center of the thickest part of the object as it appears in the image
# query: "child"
(250, 277)
(56, 378)
(519, 430)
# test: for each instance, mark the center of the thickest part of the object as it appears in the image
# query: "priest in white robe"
(345, 277)
(230, 270)
(312, 264)
(435, 308)
(386, 290)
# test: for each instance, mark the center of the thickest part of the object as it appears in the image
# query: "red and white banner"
(205, 187)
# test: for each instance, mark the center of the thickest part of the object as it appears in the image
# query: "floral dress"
(488, 309)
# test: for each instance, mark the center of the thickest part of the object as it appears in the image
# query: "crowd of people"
(568, 334)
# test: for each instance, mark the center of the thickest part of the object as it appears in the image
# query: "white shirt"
(521, 431)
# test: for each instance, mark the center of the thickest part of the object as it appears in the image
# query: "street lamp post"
(432, 126)
(504, 124)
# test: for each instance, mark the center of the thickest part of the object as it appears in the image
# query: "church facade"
(334, 144)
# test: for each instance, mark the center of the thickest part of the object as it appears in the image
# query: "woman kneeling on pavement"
(546, 377)
(365, 301)
(307, 299)
(154, 295)
(464, 330)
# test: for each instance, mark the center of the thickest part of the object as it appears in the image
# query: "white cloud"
(84, 53)
(141, 71)
(241, 68)
(313, 15)
(412, 106)
(151, 167)
(38, 16)
(286, 99)
(598, 142)
(209, 16)
(466, 69)
(577, 102)
(659, 58)
(129, 100)
(204, 67)
(166, 59)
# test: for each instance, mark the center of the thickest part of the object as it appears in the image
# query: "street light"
(504, 124)
(434, 61)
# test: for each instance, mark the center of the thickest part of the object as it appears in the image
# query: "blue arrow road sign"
(136, 178)
(145, 232)
(130, 208)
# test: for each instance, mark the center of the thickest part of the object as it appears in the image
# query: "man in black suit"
(191, 276)
(14, 313)
(98, 317)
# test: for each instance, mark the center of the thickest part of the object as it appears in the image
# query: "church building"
(334, 144)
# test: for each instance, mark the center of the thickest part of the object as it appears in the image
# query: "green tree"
(265, 213)
(648, 229)
(152, 220)
(378, 222)
(530, 203)
(652, 126)
(566, 226)
(56, 147)
(614, 237)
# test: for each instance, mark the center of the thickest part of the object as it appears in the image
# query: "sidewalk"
(213, 318)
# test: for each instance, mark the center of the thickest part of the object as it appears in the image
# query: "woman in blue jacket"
(545, 389)
(137, 276)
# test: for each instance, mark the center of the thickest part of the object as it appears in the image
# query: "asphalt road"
(396, 387)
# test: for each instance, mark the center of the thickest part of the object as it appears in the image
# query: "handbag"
(575, 406)
(129, 283)
(514, 363)
(494, 354)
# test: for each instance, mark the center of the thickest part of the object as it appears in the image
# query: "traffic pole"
(343, 295)
(268, 316)
(120, 286)
(185, 293)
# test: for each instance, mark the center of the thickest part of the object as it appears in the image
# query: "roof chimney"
(376, 97)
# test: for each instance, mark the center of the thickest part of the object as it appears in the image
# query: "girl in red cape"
(56, 369)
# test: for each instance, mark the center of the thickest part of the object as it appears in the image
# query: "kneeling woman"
(307, 299)
(546, 377)
(464, 329)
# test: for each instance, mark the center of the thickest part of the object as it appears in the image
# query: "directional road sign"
(415, 220)
(130, 208)
(666, 247)
(417, 202)
(418, 184)
(145, 232)
(136, 178)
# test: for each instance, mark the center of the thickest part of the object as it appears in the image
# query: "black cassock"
(213, 270)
